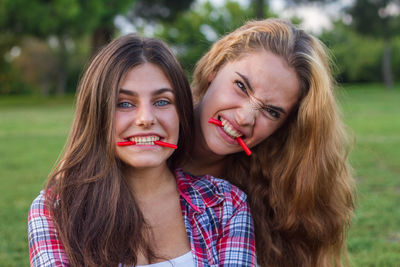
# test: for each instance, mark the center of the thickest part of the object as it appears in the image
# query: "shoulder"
(228, 190)
(211, 189)
(39, 217)
(39, 207)
(45, 246)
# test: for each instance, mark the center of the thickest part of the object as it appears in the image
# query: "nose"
(144, 116)
(246, 114)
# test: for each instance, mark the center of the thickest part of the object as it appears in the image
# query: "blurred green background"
(45, 45)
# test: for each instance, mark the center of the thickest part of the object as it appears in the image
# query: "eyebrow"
(247, 82)
(154, 93)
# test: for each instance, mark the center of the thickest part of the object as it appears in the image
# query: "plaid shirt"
(216, 215)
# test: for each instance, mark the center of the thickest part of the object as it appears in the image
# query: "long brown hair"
(298, 181)
(96, 215)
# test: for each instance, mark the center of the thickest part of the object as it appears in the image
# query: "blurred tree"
(193, 32)
(160, 10)
(356, 57)
(373, 19)
(378, 19)
(64, 19)
(146, 15)
(259, 8)
(33, 53)
(9, 75)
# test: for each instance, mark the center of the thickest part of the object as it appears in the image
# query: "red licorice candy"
(238, 139)
(159, 143)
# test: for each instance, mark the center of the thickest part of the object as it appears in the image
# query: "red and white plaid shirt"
(216, 215)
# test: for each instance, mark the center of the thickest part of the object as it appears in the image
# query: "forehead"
(145, 76)
(269, 75)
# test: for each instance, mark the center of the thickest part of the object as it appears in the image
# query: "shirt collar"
(198, 191)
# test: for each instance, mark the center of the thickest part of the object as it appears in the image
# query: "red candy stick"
(243, 145)
(216, 122)
(238, 139)
(126, 143)
(161, 143)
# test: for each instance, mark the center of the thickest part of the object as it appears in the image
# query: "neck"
(149, 182)
(203, 160)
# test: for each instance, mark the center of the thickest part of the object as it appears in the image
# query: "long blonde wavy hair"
(298, 181)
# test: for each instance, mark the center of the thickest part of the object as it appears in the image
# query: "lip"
(235, 126)
(141, 145)
(226, 137)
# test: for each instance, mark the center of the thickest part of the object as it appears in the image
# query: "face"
(146, 112)
(252, 97)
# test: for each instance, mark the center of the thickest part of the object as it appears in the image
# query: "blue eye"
(161, 103)
(124, 105)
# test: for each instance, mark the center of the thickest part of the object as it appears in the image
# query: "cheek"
(264, 129)
(217, 99)
(119, 153)
(206, 101)
(120, 121)
(123, 121)
(171, 122)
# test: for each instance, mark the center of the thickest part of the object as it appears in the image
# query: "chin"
(146, 164)
(220, 150)
(143, 163)
(224, 152)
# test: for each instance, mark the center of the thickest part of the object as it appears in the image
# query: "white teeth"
(228, 128)
(145, 140)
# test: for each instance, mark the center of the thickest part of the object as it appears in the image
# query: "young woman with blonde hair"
(269, 84)
(117, 197)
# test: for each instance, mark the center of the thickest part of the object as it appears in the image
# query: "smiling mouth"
(144, 140)
(229, 129)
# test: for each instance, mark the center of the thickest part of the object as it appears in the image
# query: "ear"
(211, 77)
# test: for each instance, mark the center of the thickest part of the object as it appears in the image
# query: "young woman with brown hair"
(116, 197)
(269, 84)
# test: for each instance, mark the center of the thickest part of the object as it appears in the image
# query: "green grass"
(34, 130)
(374, 116)
(32, 134)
